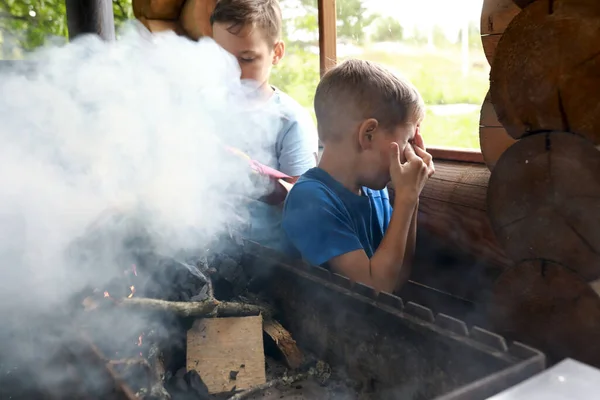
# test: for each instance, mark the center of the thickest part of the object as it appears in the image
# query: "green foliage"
(460, 130)
(388, 29)
(351, 20)
(32, 22)
(437, 75)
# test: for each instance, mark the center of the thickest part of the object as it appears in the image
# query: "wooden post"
(90, 16)
(327, 34)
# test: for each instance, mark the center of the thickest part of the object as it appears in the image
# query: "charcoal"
(196, 384)
(178, 382)
(202, 295)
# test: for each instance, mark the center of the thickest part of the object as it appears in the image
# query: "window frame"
(328, 58)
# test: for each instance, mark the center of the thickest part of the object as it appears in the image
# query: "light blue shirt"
(297, 144)
(293, 152)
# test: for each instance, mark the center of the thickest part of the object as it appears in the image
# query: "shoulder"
(291, 110)
(311, 193)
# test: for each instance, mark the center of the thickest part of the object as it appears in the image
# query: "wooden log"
(195, 18)
(90, 16)
(495, 17)
(544, 201)
(452, 206)
(545, 74)
(160, 25)
(493, 138)
(157, 9)
(523, 3)
(284, 342)
(549, 307)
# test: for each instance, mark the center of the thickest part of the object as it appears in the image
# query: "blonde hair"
(356, 90)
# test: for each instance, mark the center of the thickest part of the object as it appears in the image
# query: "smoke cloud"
(136, 125)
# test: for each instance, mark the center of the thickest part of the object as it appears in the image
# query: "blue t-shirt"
(322, 219)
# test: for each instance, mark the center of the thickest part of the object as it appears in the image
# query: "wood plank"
(327, 34)
(454, 154)
(221, 349)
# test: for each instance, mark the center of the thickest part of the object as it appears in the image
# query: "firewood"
(544, 201)
(285, 343)
(495, 17)
(550, 307)
(545, 74)
(157, 389)
(286, 380)
(195, 18)
(157, 9)
(207, 308)
(493, 138)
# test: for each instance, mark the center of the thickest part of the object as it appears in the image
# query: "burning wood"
(206, 308)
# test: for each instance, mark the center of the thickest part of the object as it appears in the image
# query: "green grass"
(460, 130)
(437, 75)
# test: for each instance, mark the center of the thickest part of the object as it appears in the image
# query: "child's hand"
(419, 145)
(409, 178)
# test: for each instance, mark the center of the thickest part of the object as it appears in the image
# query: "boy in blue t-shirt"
(338, 214)
(251, 30)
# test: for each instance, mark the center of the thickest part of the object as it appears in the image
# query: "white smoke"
(139, 123)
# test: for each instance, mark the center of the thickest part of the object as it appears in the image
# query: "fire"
(132, 288)
(140, 339)
(106, 294)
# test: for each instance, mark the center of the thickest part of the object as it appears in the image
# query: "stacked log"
(543, 198)
(185, 17)
(495, 17)
(493, 138)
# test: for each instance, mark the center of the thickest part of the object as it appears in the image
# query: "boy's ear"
(278, 52)
(366, 132)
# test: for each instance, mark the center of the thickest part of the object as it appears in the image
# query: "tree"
(388, 29)
(33, 22)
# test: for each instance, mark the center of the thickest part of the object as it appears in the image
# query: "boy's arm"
(409, 253)
(385, 270)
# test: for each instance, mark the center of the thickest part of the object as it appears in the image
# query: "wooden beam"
(327, 34)
(451, 154)
(90, 16)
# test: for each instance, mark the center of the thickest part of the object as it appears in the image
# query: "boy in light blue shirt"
(251, 31)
